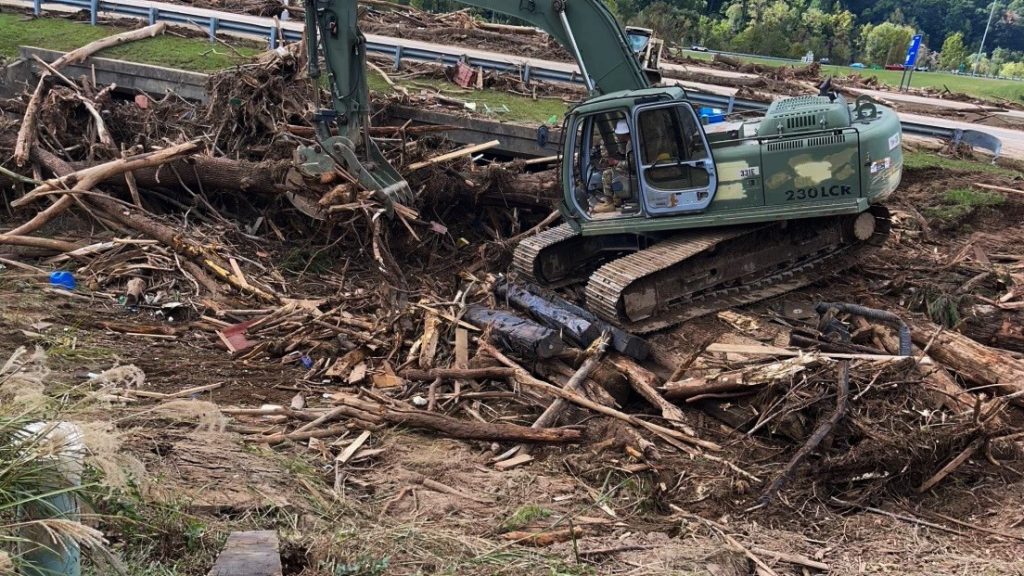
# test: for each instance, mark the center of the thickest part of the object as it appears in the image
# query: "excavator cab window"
(675, 168)
(604, 165)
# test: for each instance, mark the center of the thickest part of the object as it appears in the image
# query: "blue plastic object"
(62, 279)
(712, 115)
(307, 362)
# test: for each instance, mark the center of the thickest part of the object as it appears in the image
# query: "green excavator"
(666, 216)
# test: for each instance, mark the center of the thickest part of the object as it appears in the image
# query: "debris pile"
(196, 225)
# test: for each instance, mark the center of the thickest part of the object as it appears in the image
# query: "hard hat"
(621, 128)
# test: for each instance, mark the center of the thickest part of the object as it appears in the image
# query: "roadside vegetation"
(172, 50)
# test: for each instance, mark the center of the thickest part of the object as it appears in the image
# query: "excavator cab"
(637, 156)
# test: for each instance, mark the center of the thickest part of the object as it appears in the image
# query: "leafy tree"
(1012, 70)
(954, 53)
(674, 21)
(887, 43)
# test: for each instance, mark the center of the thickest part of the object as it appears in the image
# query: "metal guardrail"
(268, 28)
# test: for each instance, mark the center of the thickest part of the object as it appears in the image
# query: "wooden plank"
(255, 553)
(452, 155)
(775, 351)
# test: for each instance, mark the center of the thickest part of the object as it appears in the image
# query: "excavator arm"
(585, 27)
(588, 31)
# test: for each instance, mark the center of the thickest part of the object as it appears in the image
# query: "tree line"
(874, 32)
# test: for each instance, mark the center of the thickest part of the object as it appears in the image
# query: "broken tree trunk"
(209, 174)
(575, 384)
(975, 362)
(85, 180)
(746, 379)
(644, 382)
(519, 334)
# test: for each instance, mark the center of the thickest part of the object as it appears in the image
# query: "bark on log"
(548, 313)
(976, 362)
(995, 327)
(739, 380)
(622, 341)
(208, 174)
(518, 334)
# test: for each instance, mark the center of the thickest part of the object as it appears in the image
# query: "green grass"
(991, 88)
(520, 108)
(194, 54)
(523, 516)
(961, 202)
(924, 160)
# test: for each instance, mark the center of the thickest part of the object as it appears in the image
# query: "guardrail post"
(732, 102)
(37, 7)
(152, 15)
(526, 74)
(94, 8)
(273, 39)
(398, 58)
(213, 29)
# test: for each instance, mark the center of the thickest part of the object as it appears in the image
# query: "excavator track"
(644, 288)
(692, 274)
(527, 256)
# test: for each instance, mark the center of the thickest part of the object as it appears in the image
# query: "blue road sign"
(915, 45)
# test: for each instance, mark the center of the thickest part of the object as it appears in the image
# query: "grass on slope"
(520, 108)
(195, 54)
(991, 88)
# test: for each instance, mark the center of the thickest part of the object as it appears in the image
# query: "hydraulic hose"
(872, 314)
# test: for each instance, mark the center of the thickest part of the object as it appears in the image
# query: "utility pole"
(977, 59)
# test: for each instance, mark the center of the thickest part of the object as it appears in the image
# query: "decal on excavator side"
(823, 191)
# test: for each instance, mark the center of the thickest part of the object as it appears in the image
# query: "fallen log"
(580, 330)
(750, 378)
(518, 334)
(469, 430)
(84, 180)
(975, 362)
(557, 307)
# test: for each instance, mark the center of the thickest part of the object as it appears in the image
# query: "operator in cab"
(617, 178)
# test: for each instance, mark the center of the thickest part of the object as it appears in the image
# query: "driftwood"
(644, 382)
(750, 378)
(85, 179)
(26, 134)
(200, 255)
(451, 373)
(674, 437)
(575, 383)
(976, 363)
(819, 434)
